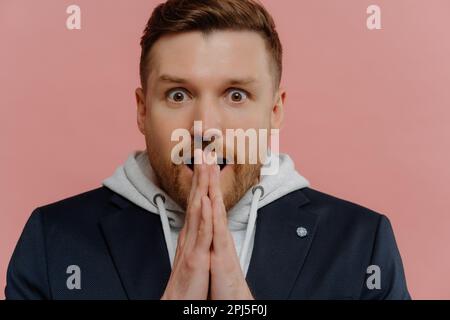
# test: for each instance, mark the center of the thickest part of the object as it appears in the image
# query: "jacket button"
(302, 232)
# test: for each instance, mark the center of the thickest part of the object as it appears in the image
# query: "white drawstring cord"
(159, 201)
(258, 192)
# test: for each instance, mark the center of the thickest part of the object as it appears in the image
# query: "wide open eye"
(177, 95)
(237, 96)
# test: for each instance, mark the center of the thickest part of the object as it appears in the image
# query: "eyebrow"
(230, 81)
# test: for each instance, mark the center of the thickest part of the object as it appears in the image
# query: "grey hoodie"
(136, 181)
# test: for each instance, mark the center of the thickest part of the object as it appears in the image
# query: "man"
(159, 229)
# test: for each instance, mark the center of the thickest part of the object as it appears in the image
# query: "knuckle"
(192, 262)
(194, 206)
(201, 229)
(206, 217)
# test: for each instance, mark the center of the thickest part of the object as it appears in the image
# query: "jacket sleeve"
(27, 276)
(386, 260)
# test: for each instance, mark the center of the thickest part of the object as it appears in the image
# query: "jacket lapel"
(279, 252)
(136, 243)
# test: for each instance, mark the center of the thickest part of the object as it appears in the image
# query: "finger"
(214, 190)
(201, 188)
(197, 155)
(205, 231)
(181, 236)
(193, 215)
(221, 236)
(192, 206)
(191, 193)
(203, 177)
(219, 211)
(180, 245)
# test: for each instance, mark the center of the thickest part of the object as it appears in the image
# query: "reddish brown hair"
(175, 16)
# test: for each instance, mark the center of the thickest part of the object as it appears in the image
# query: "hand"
(227, 279)
(190, 274)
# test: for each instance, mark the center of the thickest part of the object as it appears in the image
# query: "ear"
(141, 109)
(277, 115)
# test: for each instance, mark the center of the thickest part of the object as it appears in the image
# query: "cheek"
(255, 118)
(161, 124)
(256, 114)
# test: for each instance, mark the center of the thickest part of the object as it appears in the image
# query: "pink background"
(367, 111)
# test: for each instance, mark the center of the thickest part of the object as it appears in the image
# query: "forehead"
(217, 55)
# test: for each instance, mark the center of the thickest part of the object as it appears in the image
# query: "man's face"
(225, 80)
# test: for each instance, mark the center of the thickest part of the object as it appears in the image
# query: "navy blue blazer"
(121, 252)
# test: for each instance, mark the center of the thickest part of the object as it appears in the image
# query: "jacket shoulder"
(328, 206)
(89, 203)
(91, 197)
(55, 235)
(77, 214)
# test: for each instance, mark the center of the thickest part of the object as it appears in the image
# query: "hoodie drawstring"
(258, 193)
(159, 200)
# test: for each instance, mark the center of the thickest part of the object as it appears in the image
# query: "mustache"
(239, 153)
(222, 157)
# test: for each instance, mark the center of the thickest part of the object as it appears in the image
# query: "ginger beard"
(235, 179)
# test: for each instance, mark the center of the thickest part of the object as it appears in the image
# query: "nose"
(207, 111)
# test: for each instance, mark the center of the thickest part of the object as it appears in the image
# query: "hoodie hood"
(136, 181)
